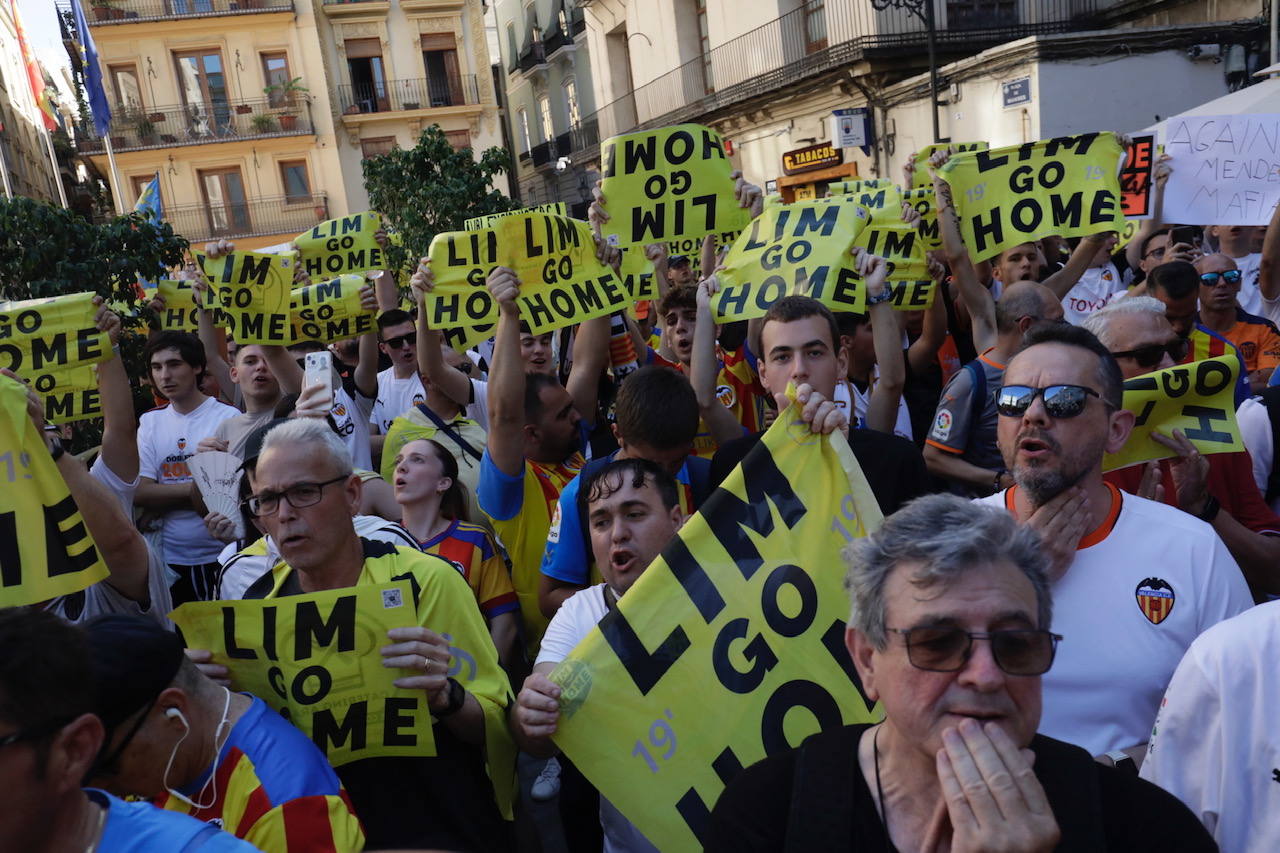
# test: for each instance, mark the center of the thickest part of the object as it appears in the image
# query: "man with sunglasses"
(398, 388)
(949, 632)
(1218, 488)
(1134, 581)
(1256, 337)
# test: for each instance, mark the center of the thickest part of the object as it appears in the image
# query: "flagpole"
(57, 173)
(114, 177)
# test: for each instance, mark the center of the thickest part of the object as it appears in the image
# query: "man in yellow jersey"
(191, 746)
(536, 434)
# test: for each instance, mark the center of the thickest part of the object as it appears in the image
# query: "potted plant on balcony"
(243, 109)
(105, 10)
(263, 123)
(288, 93)
(142, 125)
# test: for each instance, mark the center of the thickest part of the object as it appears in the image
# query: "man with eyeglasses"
(1257, 338)
(1134, 581)
(1217, 488)
(304, 495)
(950, 632)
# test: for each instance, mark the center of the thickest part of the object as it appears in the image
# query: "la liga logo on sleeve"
(1155, 599)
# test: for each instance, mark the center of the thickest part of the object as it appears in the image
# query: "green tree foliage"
(432, 188)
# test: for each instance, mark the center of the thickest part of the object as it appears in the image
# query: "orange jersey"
(1257, 339)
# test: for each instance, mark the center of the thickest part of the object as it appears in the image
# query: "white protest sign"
(1226, 169)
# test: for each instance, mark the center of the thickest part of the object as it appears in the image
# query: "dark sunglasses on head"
(398, 342)
(1017, 652)
(1060, 401)
(1209, 279)
(466, 366)
(1152, 354)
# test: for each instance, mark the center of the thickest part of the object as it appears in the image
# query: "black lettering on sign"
(61, 406)
(309, 625)
(692, 808)
(324, 683)
(1204, 430)
(646, 669)
(833, 642)
(1140, 418)
(757, 653)
(796, 694)
(730, 517)
(58, 542)
(10, 556)
(1211, 377)
(354, 727)
(234, 650)
(1176, 381)
(799, 580)
(397, 723)
(1078, 144)
(693, 577)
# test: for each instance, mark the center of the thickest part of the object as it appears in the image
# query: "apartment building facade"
(25, 156)
(257, 114)
(770, 75)
(546, 64)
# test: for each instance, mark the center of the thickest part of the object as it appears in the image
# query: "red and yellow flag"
(34, 75)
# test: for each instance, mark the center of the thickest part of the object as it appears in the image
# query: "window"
(226, 206)
(513, 48)
(275, 72)
(571, 102)
(293, 177)
(522, 119)
(368, 81)
(815, 25)
(440, 59)
(544, 116)
(203, 83)
(459, 139)
(376, 146)
(704, 45)
(139, 182)
(124, 78)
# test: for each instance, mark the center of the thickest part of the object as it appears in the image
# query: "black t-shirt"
(893, 466)
(1128, 813)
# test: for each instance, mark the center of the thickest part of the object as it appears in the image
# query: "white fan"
(217, 475)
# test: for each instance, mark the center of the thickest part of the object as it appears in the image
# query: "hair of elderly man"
(1099, 322)
(941, 537)
(311, 432)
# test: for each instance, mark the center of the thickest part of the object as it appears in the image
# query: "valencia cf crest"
(1155, 599)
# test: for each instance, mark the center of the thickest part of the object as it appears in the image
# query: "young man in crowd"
(398, 388)
(1256, 337)
(167, 438)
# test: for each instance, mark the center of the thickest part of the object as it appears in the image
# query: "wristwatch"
(1210, 509)
(995, 486)
(1122, 760)
(883, 296)
(457, 698)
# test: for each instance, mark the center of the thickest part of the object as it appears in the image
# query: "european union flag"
(98, 104)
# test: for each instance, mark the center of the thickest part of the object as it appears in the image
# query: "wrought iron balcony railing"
(249, 218)
(416, 94)
(199, 124)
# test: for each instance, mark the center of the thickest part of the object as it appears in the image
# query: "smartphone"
(1188, 234)
(319, 368)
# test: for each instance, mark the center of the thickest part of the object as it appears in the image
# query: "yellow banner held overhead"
(900, 244)
(555, 208)
(315, 658)
(743, 613)
(668, 184)
(920, 177)
(1068, 186)
(795, 249)
(254, 292)
(923, 200)
(339, 246)
(562, 281)
(862, 185)
(70, 395)
(47, 551)
(638, 274)
(329, 311)
(1197, 398)
(180, 314)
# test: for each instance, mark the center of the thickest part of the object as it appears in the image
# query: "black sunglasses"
(1151, 355)
(465, 366)
(397, 342)
(36, 733)
(1210, 279)
(1017, 652)
(1060, 401)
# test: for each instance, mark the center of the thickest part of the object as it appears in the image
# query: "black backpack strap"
(822, 792)
(978, 401)
(451, 432)
(1270, 397)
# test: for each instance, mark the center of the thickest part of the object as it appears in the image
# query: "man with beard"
(1134, 581)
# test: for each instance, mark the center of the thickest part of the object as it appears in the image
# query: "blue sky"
(40, 19)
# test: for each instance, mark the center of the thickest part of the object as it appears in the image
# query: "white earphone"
(176, 714)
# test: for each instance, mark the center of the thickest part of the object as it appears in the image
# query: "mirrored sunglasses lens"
(1064, 401)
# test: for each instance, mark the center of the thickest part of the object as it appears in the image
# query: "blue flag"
(149, 203)
(98, 104)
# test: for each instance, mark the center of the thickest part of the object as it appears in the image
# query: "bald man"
(1256, 337)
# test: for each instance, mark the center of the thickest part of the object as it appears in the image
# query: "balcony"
(419, 94)
(584, 136)
(107, 12)
(816, 39)
(343, 8)
(533, 57)
(168, 127)
(251, 218)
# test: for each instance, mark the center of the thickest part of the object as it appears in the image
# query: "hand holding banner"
(332, 310)
(340, 246)
(51, 343)
(253, 293)
(920, 162)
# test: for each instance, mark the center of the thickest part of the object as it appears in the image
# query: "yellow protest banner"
(888, 197)
(691, 248)
(900, 244)
(555, 208)
(329, 311)
(180, 314)
(638, 275)
(795, 249)
(1128, 232)
(253, 291)
(924, 202)
(864, 185)
(45, 549)
(51, 343)
(1197, 398)
(562, 281)
(1068, 186)
(920, 176)
(343, 245)
(315, 658)
(668, 184)
(745, 615)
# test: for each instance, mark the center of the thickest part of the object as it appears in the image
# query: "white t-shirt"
(1255, 430)
(166, 440)
(240, 568)
(478, 408)
(1215, 744)
(395, 397)
(351, 418)
(854, 404)
(573, 621)
(1250, 296)
(1115, 661)
(1095, 289)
